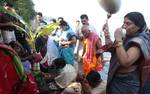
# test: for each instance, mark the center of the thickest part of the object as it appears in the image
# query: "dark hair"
(53, 20)
(40, 14)
(59, 63)
(63, 23)
(13, 44)
(84, 16)
(93, 78)
(60, 18)
(137, 18)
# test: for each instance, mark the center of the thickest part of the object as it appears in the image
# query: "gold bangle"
(118, 44)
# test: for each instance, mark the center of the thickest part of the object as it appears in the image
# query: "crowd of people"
(69, 61)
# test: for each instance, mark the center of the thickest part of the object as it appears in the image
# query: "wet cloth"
(89, 57)
(67, 75)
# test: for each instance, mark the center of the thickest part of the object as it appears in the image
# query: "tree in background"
(25, 8)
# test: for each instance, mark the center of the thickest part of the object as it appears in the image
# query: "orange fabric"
(90, 62)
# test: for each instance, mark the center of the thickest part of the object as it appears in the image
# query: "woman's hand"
(118, 34)
(64, 44)
(105, 27)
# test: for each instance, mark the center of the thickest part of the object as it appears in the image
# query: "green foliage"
(41, 31)
(25, 8)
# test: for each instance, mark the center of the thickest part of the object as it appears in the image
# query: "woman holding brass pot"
(128, 53)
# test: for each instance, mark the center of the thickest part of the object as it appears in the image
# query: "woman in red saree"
(13, 79)
(92, 43)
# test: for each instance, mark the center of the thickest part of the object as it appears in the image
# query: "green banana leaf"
(41, 30)
(21, 30)
(46, 29)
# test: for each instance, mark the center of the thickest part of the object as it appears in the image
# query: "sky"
(71, 10)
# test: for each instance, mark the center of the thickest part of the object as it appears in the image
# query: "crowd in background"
(70, 61)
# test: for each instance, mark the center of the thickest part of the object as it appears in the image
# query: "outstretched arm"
(108, 41)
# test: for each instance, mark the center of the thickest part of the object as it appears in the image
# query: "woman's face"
(130, 27)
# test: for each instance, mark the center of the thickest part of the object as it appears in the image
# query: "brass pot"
(110, 6)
